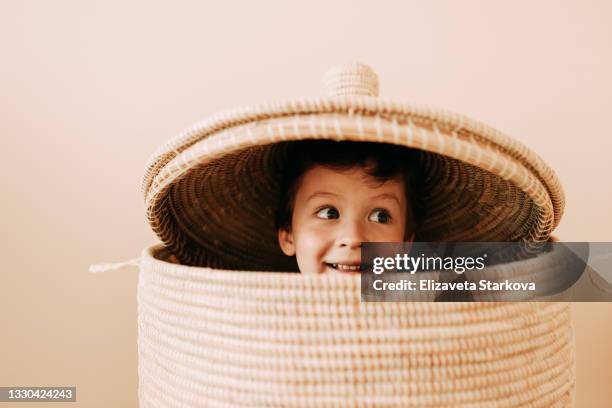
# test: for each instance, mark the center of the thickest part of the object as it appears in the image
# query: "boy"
(335, 195)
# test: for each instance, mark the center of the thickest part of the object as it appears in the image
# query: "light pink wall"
(89, 89)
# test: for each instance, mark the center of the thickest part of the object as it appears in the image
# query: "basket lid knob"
(350, 79)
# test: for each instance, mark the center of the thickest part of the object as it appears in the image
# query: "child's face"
(334, 211)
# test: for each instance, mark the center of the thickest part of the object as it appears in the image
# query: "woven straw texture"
(223, 330)
(211, 192)
(214, 338)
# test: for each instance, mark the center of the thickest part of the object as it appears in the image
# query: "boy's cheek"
(311, 251)
(320, 235)
(313, 244)
(321, 229)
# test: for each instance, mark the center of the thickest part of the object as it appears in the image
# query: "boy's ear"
(285, 240)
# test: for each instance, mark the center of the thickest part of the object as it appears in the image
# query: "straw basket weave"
(224, 328)
(213, 338)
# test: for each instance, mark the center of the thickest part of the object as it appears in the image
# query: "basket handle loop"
(107, 267)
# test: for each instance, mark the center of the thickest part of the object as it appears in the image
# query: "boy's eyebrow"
(388, 196)
(321, 193)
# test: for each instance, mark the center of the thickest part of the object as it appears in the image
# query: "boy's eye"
(381, 216)
(328, 213)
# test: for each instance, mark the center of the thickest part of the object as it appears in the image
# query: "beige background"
(89, 89)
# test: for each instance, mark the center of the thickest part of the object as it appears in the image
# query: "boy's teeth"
(343, 267)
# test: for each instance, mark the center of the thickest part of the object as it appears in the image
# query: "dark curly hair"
(380, 160)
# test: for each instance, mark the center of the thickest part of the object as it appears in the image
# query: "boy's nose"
(351, 236)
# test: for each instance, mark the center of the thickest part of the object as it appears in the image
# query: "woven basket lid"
(211, 192)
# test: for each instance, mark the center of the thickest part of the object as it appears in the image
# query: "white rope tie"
(107, 267)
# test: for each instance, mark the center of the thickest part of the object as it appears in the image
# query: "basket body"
(211, 337)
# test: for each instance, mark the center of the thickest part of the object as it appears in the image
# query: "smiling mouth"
(344, 267)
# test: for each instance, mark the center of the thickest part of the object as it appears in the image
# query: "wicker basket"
(236, 338)
(224, 329)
